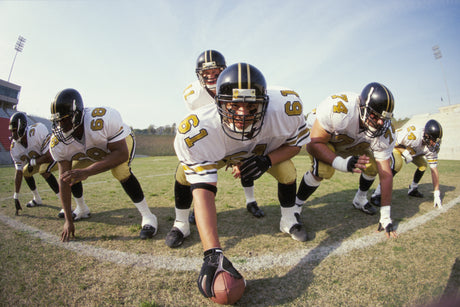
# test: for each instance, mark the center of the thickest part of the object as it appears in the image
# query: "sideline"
(245, 264)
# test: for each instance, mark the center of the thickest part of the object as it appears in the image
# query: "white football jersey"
(38, 140)
(196, 96)
(102, 125)
(201, 142)
(411, 137)
(339, 115)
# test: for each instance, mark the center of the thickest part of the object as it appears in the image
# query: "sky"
(138, 56)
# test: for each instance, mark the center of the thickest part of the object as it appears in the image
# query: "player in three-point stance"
(30, 154)
(353, 133)
(89, 141)
(419, 145)
(249, 126)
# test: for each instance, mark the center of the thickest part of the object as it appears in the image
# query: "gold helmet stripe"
(239, 75)
(208, 56)
(249, 75)
(390, 104)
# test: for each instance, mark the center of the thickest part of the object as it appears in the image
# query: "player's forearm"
(66, 201)
(435, 178)
(283, 153)
(386, 185)
(321, 152)
(17, 181)
(110, 161)
(206, 218)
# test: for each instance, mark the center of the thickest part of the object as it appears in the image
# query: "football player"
(209, 65)
(353, 133)
(30, 154)
(97, 140)
(419, 145)
(258, 130)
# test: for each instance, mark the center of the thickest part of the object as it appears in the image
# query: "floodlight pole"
(438, 55)
(18, 47)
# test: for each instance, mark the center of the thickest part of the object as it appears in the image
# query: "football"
(227, 289)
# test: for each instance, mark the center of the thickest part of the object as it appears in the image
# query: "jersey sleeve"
(333, 113)
(44, 136)
(57, 149)
(198, 146)
(16, 156)
(115, 129)
(195, 96)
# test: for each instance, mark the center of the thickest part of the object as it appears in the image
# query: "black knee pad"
(182, 196)
(286, 194)
(30, 182)
(77, 190)
(133, 188)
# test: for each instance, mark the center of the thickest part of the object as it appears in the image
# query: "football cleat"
(296, 230)
(77, 215)
(254, 209)
(61, 214)
(175, 238)
(147, 232)
(414, 192)
(32, 203)
(376, 200)
(191, 218)
(362, 204)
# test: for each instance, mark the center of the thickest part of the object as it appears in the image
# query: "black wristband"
(212, 251)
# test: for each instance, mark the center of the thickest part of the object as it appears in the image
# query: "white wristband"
(33, 162)
(340, 164)
(16, 195)
(385, 215)
(407, 156)
(437, 193)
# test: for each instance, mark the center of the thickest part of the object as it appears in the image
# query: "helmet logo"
(209, 65)
(246, 94)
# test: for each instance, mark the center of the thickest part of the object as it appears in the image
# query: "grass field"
(346, 264)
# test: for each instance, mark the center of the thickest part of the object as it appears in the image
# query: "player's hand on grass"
(389, 231)
(214, 261)
(68, 231)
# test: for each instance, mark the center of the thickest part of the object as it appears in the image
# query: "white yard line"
(245, 264)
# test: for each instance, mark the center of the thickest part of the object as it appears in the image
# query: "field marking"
(245, 264)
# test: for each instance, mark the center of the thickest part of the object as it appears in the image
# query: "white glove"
(437, 199)
(407, 156)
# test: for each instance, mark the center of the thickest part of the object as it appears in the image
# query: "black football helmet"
(18, 122)
(241, 83)
(209, 59)
(376, 102)
(67, 105)
(432, 132)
